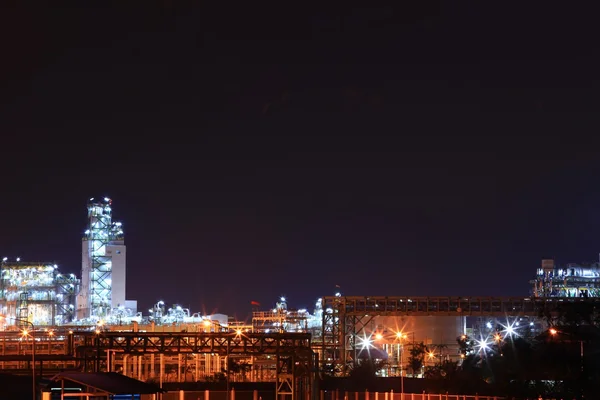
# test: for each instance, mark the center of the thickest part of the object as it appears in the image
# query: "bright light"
(553, 331)
(431, 354)
(51, 333)
(489, 325)
(206, 322)
(18, 259)
(497, 337)
(364, 342)
(482, 345)
(5, 259)
(55, 266)
(238, 332)
(399, 335)
(510, 330)
(379, 336)
(25, 332)
(338, 294)
(282, 298)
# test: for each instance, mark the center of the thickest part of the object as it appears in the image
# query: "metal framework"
(279, 321)
(97, 277)
(346, 317)
(36, 292)
(23, 308)
(66, 294)
(292, 351)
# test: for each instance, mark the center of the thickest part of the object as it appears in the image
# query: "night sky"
(423, 150)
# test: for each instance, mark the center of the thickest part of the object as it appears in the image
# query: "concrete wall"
(117, 252)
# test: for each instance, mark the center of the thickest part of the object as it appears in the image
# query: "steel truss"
(292, 351)
(100, 234)
(344, 318)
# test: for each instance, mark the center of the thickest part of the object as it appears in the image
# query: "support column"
(125, 357)
(162, 369)
(134, 366)
(179, 367)
(152, 365)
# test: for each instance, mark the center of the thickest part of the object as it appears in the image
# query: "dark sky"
(439, 149)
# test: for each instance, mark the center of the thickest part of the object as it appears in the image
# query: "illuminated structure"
(103, 264)
(280, 319)
(570, 280)
(36, 292)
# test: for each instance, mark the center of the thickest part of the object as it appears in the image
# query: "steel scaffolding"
(36, 292)
(97, 279)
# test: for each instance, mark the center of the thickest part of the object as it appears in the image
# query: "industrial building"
(569, 280)
(103, 267)
(36, 292)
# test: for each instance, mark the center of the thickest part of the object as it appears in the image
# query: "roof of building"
(109, 382)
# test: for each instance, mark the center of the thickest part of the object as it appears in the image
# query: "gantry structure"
(90, 350)
(346, 317)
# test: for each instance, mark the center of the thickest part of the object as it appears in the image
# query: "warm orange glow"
(238, 332)
(25, 332)
(206, 322)
(497, 337)
(97, 331)
(379, 336)
(553, 331)
(431, 354)
(51, 333)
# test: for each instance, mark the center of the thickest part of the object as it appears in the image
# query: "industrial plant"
(36, 292)
(570, 280)
(89, 324)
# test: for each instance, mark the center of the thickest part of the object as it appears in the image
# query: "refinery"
(88, 322)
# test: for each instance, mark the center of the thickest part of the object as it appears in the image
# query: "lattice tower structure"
(37, 293)
(103, 263)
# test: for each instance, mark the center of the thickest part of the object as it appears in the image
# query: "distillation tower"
(103, 264)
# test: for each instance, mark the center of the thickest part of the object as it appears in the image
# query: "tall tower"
(103, 263)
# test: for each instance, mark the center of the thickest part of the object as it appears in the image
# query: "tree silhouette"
(417, 357)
